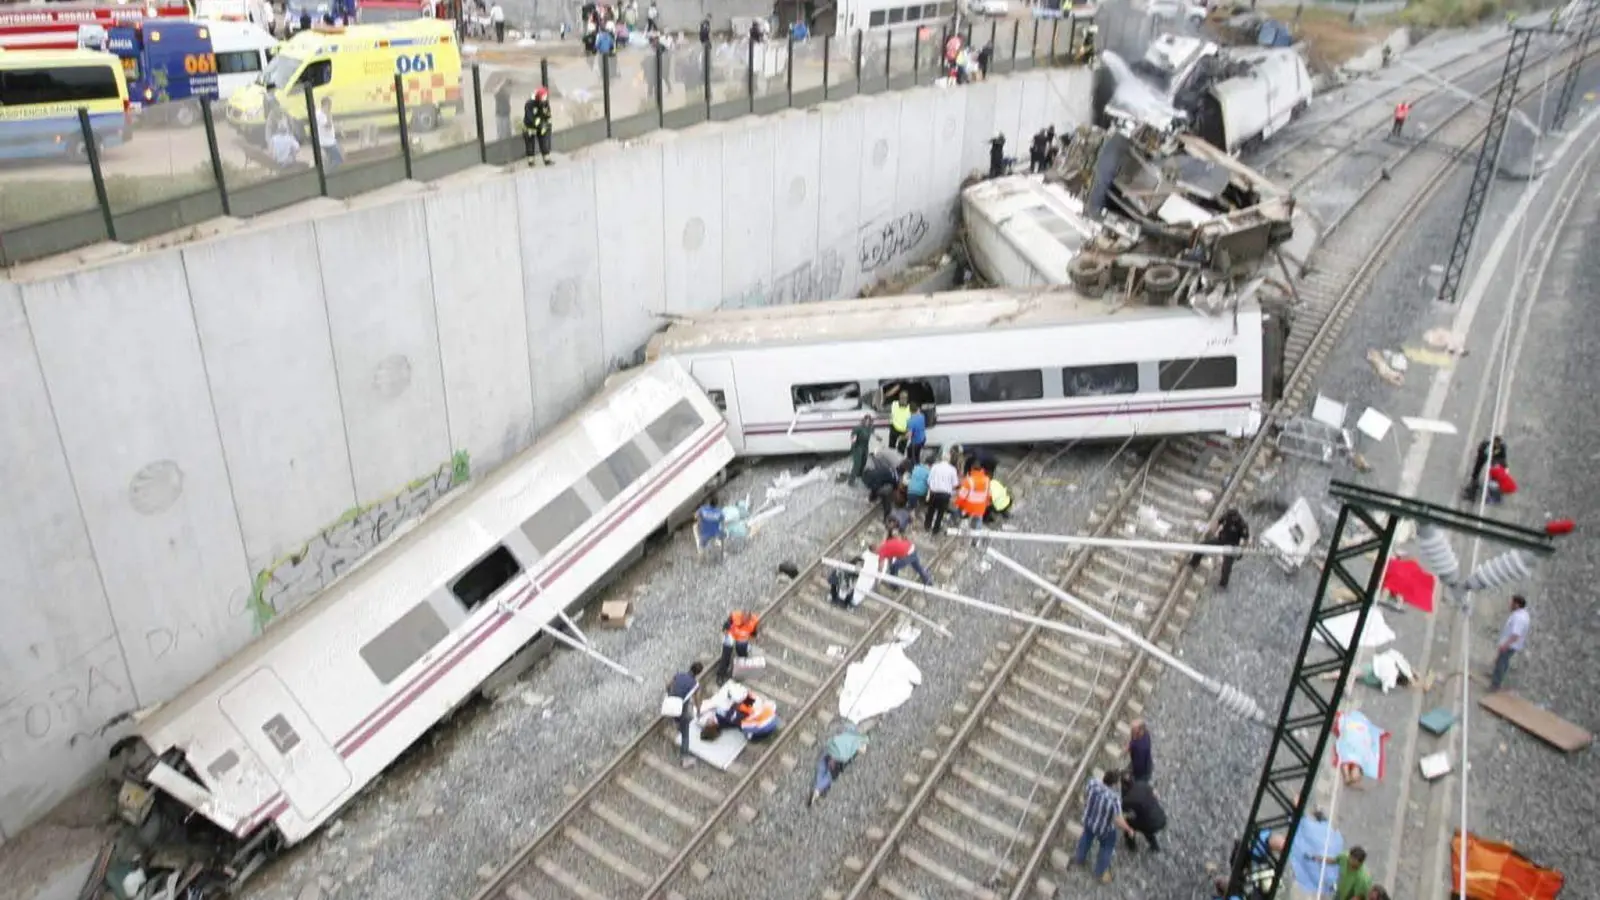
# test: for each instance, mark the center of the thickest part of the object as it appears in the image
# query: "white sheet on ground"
(721, 752)
(1376, 634)
(882, 680)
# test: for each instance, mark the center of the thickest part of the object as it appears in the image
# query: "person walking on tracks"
(1231, 531)
(1102, 819)
(1402, 111)
(738, 631)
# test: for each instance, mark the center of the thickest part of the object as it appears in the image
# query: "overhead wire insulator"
(1239, 703)
(1436, 554)
(1505, 569)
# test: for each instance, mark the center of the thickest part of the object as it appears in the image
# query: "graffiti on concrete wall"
(883, 243)
(819, 279)
(298, 576)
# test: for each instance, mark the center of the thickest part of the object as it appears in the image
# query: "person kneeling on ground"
(1143, 811)
(999, 502)
(756, 716)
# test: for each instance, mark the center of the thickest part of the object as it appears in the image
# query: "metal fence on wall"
(182, 163)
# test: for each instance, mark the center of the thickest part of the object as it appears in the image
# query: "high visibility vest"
(973, 498)
(758, 715)
(742, 626)
(1401, 110)
(899, 415)
(1002, 497)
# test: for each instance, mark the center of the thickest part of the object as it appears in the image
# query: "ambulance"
(355, 66)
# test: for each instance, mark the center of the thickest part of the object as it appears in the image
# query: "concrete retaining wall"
(195, 440)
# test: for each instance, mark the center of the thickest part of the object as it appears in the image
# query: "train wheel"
(1088, 274)
(1161, 281)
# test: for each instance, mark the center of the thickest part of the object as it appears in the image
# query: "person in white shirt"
(1513, 636)
(497, 18)
(327, 138)
(943, 479)
(284, 147)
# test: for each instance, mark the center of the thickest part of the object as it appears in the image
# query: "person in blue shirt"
(916, 432)
(686, 686)
(708, 523)
(917, 482)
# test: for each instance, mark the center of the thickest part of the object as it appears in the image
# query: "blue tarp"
(1274, 34)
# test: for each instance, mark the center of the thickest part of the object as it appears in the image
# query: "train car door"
(281, 734)
(716, 377)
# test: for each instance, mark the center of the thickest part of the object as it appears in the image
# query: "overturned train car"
(273, 743)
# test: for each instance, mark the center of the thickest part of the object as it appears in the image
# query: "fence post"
(1016, 32)
(605, 90)
(705, 73)
(216, 155)
(477, 104)
(750, 75)
(544, 72)
(788, 69)
(994, 30)
(405, 129)
(661, 103)
(967, 41)
(1072, 39)
(1055, 27)
(316, 142)
(1033, 45)
(888, 54)
(916, 57)
(858, 61)
(93, 153)
(828, 56)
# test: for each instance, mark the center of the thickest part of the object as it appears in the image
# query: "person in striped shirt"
(1102, 819)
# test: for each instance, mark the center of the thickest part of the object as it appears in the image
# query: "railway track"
(991, 815)
(641, 824)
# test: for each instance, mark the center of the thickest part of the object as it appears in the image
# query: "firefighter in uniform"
(737, 632)
(536, 124)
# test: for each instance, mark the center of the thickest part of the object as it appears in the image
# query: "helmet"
(541, 93)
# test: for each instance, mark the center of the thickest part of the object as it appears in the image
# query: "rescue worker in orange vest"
(973, 497)
(756, 716)
(737, 633)
(1401, 111)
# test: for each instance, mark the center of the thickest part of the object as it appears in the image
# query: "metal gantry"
(1356, 562)
(1488, 160)
(1584, 27)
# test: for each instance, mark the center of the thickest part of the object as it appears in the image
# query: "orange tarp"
(1496, 871)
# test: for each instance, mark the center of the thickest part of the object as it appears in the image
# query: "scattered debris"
(1423, 357)
(1293, 536)
(1150, 519)
(1380, 364)
(1342, 628)
(1445, 340)
(785, 484)
(1434, 766)
(1437, 721)
(616, 613)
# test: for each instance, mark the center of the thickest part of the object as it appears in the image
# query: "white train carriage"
(1241, 112)
(1023, 231)
(272, 743)
(1000, 366)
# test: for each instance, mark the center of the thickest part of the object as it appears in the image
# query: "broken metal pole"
(1128, 543)
(555, 632)
(1233, 699)
(1079, 633)
(907, 611)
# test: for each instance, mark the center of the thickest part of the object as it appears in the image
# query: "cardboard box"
(616, 613)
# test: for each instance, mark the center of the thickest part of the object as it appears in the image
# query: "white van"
(243, 50)
(254, 11)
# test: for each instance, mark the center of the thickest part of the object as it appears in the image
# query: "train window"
(486, 577)
(1100, 381)
(674, 426)
(222, 765)
(897, 15)
(399, 646)
(718, 399)
(922, 389)
(838, 396)
(913, 13)
(999, 387)
(281, 733)
(548, 527)
(876, 19)
(622, 468)
(1199, 374)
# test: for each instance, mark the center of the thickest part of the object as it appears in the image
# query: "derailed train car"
(269, 746)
